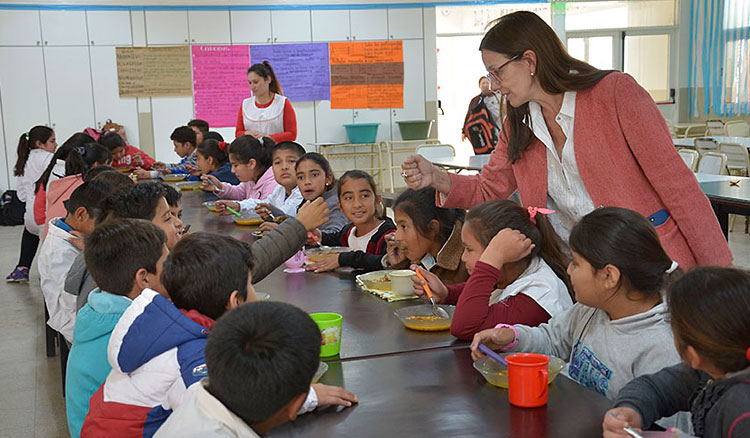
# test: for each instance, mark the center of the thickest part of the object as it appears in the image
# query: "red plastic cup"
(527, 379)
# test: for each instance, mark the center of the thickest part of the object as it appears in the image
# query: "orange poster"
(367, 74)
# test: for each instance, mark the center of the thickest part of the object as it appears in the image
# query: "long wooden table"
(439, 394)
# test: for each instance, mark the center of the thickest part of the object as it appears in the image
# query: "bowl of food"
(496, 373)
(188, 185)
(375, 281)
(210, 205)
(262, 296)
(248, 220)
(124, 169)
(173, 177)
(322, 368)
(314, 255)
(421, 318)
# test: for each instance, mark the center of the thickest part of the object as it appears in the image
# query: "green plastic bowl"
(415, 129)
(359, 133)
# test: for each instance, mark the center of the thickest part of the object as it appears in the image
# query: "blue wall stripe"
(321, 7)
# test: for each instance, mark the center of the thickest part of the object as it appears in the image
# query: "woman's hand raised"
(419, 173)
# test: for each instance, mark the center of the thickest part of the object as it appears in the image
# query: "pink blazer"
(626, 159)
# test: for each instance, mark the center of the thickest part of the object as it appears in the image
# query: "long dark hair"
(624, 239)
(75, 140)
(246, 148)
(556, 71)
(487, 219)
(82, 158)
(420, 206)
(214, 149)
(320, 161)
(264, 70)
(710, 311)
(27, 142)
(111, 140)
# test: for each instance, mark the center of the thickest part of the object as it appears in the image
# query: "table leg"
(723, 218)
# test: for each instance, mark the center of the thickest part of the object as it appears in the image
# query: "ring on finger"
(403, 174)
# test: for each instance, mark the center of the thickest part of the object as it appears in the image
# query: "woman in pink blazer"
(577, 138)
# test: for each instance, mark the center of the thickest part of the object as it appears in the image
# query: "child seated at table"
(709, 311)
(58, 252)
(426, 235)
(315, 179)
(174, 200)
(517, 270)
(138, 249)
(618, 329)
(251, 390)
(201, 128)
(212, 160)
(366, 234)
(124, 156)
(251, 160)
(185, 142)
(157, 347)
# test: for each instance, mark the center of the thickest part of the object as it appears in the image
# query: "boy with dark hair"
(174, 200)
(138, 249)
(157, 347)
(261, 359)
(201, 129)
(59, 250)
(185, 143)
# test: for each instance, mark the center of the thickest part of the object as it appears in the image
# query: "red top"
(127, 159)
(290, 123)
(472, 312)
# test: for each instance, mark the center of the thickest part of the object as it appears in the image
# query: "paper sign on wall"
(153, 71)
(220, 83)
(367, 74)
(302, 69)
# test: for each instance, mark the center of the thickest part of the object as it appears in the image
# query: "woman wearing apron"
(267, 112)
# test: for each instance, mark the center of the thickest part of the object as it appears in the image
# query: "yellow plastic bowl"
(250, 221)
(210, 205)
(496, 373)
(188, 185)
(173, 177)
(422, 319)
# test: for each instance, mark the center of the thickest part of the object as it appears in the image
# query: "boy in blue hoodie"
(138, 249)
(157, 348)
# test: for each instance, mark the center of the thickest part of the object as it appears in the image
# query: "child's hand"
(137, 160)
(313, 237)
(142, 173)
(327, 264)
(313, 214)
(395, 255)
(494, 338)
(334, 395)
(439, 291)
(193, 170)
(221, 207)
(617, 419)
(263, 210)
(507, 246)
(76, 239)
(267, 227)
(256, 134)
(207, 186)
(158, 165)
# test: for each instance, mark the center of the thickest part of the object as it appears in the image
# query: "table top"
(473, 162)
(721, 190)
(200, 219)
(689, 142)
(438, 393)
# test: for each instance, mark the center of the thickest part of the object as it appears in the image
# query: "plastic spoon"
(494, 356)
(630, 431)
(231, 210)
(437, 311)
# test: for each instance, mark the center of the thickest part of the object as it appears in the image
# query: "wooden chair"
(738, 128)
(713, 163)
(690, 157)
(703, 145)
(715, 127)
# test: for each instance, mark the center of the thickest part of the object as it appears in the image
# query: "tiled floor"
(31, 400)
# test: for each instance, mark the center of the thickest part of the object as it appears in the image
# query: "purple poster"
(220, 83)
(302, 69)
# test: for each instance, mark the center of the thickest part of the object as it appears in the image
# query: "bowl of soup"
(496, 373)
(173, 177)
(421, 318)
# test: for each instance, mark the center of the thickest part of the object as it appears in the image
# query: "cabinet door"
(23, 91)
(7, 151)
(166, 27)
(330, 25)
(376, 115)
(209, 27)
(71, 103)
(329, 123)
(109, 28)
(168, 113)
(305, 112)
(405, 23)
(64, 28)
(413, 86)
(291, 26)
(20, 28)
(107, 101)
(251, 27)
(369, 24)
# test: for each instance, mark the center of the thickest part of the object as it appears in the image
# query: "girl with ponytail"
(517, 269)
(267, 113)
(35, 151)
(212, 159)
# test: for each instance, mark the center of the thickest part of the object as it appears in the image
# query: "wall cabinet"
(209, 27)
(64, 28)
(251, 27)
(109, 28)
(71, 102)
(369, 24)
(330, 26)
(107, 101)
(166, 28)
(405, 24)
(20, 28)
(291, 26)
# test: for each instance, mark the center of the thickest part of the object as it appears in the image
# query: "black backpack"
(480, 129)
(11, 209)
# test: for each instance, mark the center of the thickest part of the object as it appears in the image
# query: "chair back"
(693, 131)
(715, 127)
(690, 157)
(738, 160)
(713, 163)
(432, 151)
(703, 145)
(738, 128)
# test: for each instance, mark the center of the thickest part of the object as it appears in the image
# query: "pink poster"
(220, 83)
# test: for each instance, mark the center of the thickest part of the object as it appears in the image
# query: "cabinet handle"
(186, 40)
(92, 43)
(391, 36)
(268, 40)
(38, 43)
(275, 39)
(347, 38)
(46, 43)
(354, 37)
(192, 40)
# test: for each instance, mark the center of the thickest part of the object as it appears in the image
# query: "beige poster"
(154, 71)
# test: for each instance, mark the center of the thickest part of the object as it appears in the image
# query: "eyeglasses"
(494, 75)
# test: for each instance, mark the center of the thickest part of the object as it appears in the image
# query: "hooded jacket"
(156, 352)
(87, 363)
(59, 191)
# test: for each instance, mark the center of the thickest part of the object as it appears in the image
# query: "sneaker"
(19, 275)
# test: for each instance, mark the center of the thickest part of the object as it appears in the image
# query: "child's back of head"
(138, 201)
(419, 206)
(260, 358)
(205, 271)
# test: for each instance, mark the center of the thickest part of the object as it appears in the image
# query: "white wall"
(57, 67)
